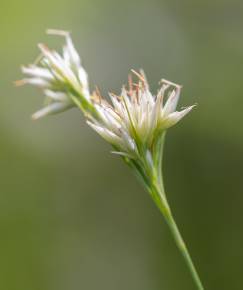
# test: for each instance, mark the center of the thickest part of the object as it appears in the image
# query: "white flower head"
(136, 118)
(61, 77)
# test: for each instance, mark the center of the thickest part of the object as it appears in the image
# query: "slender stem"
(184, 251)
(153, 182)
(158, 196)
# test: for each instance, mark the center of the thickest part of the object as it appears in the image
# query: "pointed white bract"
(137, 118)
(61, 77)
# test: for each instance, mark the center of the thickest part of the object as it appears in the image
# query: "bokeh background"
(72, 216)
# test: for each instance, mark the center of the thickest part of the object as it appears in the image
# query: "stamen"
(98, 94)
(19, 83)
(170, 83)
(130, 85)
(94, 97)
(115, 96)
(139, 75)
(57, 32)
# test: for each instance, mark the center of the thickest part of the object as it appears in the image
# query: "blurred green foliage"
(72, 216)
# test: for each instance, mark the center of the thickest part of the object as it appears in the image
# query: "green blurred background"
(72, 216)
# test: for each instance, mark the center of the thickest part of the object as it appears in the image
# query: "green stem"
(153, 182)
(184, 251)
(158, 196)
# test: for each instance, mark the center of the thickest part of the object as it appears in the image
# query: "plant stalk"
(159, 198)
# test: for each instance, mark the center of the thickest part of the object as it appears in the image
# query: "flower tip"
(192, 106)
(36, 116)
(186, 110)
(40, 114)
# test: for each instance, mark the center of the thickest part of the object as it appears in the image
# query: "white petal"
(175, 117)
(43, 84)
(155, 113)
(116, 103)
(149, 158)
(51, 109)
(66, 56)
(56, 96)
(106, 134)
(74, 56)
(83, 77)
(37, 72)
(172, 101)
(128, 141)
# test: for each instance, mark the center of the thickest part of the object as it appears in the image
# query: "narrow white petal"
(74, 56)
(128, 141)
(83, 77)
(155, 113)
(172, 101)
(161, 92)
(66, 56)
(39, 72)
(175, 117)
(56, 96)
(149, 158)
(51, 109)
(106, 134)
(116, 103)
(41, 83)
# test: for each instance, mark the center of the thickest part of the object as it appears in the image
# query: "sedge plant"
(134, 122)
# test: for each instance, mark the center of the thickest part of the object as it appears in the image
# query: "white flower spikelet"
(137, 117)
(61, 77)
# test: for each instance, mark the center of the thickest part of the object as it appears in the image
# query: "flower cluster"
(61, 77)
(134, 120)
(137, 118)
